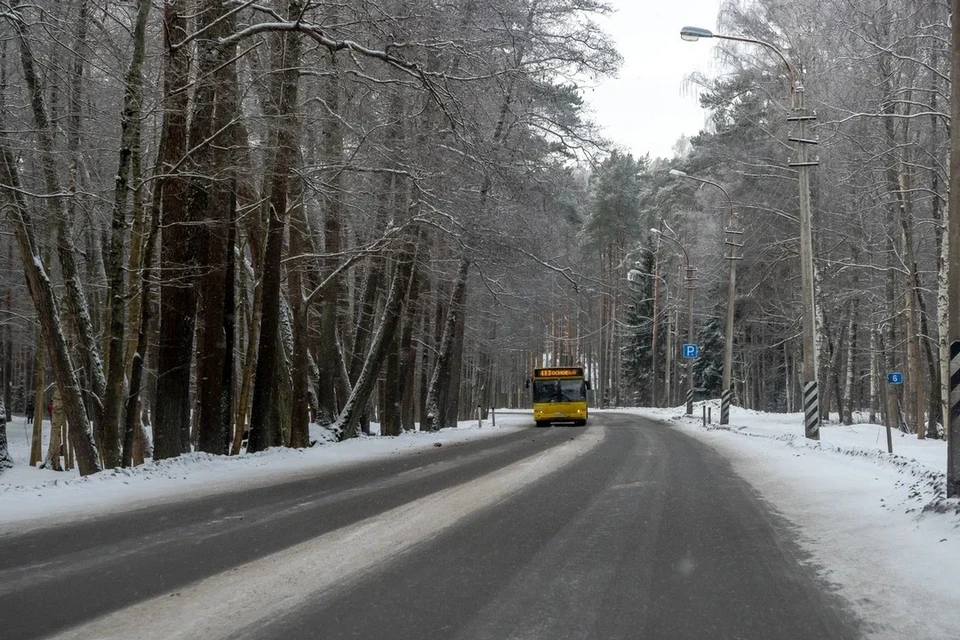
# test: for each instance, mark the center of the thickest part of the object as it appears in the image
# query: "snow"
(876, 525)
(31, 497)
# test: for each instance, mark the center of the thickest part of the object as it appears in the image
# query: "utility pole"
(726, 397)
(803, 163)
(733, 230)
(690, 340)
(953, 262)
(656, 312)
(689, 282)
(668, 368)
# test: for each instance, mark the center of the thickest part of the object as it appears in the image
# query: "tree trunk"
(332, 151)
(349, 418)
(851, 362)
(874, 375)
(114, 318)
(213, 199)
(134, 441)
(249, 369)
(452, 410)
(408, 348)
(925, 339)
(45, 303)
(57, 428)
(36, 449)
(171, 424)
(132, 425)
(892, 412)
(282, 409)
(443, 374)
(286, 62)
(75, 299)
(299, 244)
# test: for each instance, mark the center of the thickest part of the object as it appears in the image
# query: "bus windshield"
(559, 391)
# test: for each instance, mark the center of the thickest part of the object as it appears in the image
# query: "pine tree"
(708, 367)
(636, 353)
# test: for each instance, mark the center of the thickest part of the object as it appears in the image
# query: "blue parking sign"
(690, 351)
(895, 377)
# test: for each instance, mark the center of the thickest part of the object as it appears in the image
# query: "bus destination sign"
(558, 373)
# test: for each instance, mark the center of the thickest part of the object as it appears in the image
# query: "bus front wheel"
(543, 423)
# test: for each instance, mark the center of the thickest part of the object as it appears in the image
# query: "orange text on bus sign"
(557, 373)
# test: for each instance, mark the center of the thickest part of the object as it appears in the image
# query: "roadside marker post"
(690, 352)
(894, 377)
(811, 410)
(725, 406)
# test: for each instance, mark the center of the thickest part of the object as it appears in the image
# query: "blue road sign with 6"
(690, 350)
(895, 377)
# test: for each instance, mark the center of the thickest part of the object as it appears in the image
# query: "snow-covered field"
(29, 496)
(876, 525)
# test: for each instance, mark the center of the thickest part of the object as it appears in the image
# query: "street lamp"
(692, 34)
(802, 162)
(689, 281)
(734, 231)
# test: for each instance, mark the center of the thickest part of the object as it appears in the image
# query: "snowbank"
(28, 493)
(877, 525)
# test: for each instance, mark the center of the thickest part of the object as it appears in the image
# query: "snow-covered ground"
(29, 496)
(877, 525)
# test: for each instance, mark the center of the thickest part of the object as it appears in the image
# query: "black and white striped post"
(725, 407)
(811, 410)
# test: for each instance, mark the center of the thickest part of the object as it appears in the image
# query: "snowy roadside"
(30, 496)
(876, 525)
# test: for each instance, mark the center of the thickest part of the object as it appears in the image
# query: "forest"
(225, 221)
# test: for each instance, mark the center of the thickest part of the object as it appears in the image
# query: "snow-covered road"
(875, 526)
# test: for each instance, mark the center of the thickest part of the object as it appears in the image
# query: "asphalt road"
(623, 529)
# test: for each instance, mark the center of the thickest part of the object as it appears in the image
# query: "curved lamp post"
(802, 162)
(689, 280)
(734, 231)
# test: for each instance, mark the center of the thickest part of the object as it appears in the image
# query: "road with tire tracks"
(624, 528)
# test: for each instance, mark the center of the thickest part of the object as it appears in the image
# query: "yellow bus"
(560, 395)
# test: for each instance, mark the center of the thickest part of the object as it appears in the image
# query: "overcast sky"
(646, 109)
